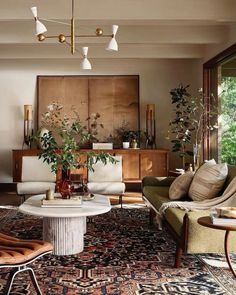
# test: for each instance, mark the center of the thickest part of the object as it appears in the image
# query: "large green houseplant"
(189, 123)
(61, 144)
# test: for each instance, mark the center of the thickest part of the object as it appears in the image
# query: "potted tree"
(62, 144)
(190, 120)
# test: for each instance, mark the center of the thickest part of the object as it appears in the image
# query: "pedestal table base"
(66, 234)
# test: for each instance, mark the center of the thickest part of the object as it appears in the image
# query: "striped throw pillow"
(180, 186)
(208, 181)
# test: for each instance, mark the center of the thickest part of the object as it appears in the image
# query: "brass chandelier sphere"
(41, 37)
(99, 32)
(62, 38)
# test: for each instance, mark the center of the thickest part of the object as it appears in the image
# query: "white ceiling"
(148, 28)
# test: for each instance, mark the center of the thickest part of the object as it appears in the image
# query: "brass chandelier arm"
(50, 37)
(92, 36)
(78, 36)
(69, 36)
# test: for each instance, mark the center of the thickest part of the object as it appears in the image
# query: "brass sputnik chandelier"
(63, 38)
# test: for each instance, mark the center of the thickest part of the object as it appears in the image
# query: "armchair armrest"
(157, 181)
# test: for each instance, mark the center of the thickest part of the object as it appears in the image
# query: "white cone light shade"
(40, 28)
(34, 11)
(113, 45)
(114, 29)
(85, 63)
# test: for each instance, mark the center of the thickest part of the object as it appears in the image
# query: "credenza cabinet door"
(153, 164)
(131, 165)
(136, 163)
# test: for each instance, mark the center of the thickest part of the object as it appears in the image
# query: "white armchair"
(107, 179)
(36, 177)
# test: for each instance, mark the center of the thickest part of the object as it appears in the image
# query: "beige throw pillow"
(180, 186)
(208, 181)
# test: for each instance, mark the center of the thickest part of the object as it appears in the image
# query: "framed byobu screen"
(115, 98)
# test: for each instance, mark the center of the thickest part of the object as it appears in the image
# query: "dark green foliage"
(63, 141)
(187, 125)
(228, 111)
(180, 125)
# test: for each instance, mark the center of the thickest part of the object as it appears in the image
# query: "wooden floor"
(10, 198)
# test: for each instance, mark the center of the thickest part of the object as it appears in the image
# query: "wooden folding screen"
(115, 98)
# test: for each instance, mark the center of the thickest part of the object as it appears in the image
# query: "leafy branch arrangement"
(62, 143)
(191, 119)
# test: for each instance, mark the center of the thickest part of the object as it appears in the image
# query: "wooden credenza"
(137, 163)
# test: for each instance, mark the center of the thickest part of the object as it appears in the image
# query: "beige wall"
(18, 87)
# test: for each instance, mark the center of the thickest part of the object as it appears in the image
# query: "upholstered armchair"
(107, 179)
(36, 177)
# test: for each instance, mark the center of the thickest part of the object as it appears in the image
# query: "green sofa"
(190, 237)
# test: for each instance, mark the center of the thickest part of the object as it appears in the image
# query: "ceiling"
(148, 28)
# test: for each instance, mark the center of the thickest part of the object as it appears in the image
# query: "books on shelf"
(59, 202)
(222, 220)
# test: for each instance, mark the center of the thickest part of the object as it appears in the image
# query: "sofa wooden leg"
(152, 215)
(178, 255)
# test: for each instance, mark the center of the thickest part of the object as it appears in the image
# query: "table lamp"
(150, 126)
(28, 124)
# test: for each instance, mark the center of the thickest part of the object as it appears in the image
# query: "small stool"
(17, 254)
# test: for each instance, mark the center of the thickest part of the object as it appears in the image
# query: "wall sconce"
(150, 126)
(28, 125)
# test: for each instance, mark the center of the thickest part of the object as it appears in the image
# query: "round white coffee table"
(65, 227)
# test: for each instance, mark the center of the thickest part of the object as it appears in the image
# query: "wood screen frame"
(208, 68)
(137, 93)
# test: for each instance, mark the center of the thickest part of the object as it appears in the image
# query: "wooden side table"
(206, 221)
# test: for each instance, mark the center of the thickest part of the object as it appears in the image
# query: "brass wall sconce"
(150, 126)
(28, 125)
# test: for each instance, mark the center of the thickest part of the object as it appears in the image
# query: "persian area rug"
(122, 255)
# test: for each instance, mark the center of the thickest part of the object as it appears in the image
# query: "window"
(220, 81)
(227, 113)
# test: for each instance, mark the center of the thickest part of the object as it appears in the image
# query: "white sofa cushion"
(107, 188)
(34, 188)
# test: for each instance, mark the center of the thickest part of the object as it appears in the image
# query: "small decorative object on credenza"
(28, 125)
(150, 126)
(102, 145)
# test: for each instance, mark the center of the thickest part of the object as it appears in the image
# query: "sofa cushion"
(156, 196)
(180, 186)
(208, 181)
(174, 217)
(202, 239)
